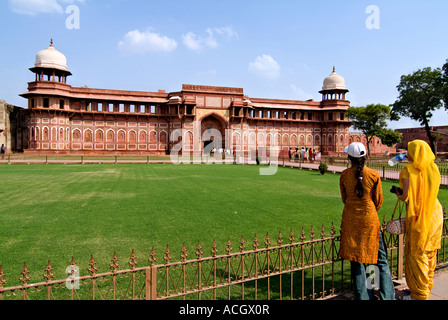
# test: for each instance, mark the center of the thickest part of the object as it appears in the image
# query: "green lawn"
(54, 212)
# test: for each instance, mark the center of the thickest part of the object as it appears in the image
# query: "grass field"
(54, 212)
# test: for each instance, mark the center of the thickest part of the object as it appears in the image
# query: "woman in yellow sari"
(420, 182)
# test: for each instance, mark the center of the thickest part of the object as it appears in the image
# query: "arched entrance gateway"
(213, 132)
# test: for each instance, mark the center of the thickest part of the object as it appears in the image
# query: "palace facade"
(441, 133)
(65, 119)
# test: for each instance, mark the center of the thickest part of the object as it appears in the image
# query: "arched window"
(142, 137)
(88, 136)
(163, 137)
(76, 135)
(153, 137)
(61, 134)
(45, 134)
(121, 136)
(110, 136)
(99, 137)
(132, 137)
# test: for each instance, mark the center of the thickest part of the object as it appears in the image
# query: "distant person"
(361, 234)
(3, 149)
(420, 181)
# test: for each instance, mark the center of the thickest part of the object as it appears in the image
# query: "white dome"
(334, 81)
(51, 58)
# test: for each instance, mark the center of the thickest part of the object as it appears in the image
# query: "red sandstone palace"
(65, 119)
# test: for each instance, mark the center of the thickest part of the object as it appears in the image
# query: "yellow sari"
(424, 218)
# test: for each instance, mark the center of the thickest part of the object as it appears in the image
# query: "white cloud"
(145, 42)
(35, 7)
(265, 66)
(197, 43)
(225, 31)
(299, 93)
(194, 42)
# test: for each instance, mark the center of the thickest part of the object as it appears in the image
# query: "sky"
(279, 49)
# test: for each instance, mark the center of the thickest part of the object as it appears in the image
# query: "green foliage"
(371, 120)
(323, 168)
(420, 93)
(389, 137)
(445, 84)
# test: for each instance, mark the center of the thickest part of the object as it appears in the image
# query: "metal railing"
(388, 173)
(307, 268)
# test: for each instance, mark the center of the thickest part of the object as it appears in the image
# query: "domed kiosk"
(51, 64)
(334, 87)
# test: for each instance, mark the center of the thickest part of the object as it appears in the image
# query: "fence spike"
(291, 236)
(280, 238)
(322, 233)
(2, 274)
(214, 250)
(199, 251)
(267, 241)
(92, 266)
(242, 246)
(115, 265)
(133, 261)
(312, 233)
(303, 237)
(167, 256)
(255, 245)
(184, 254)
(229, 248)
(48, 275)
(332, 230)
(152, 257)
(25, 278)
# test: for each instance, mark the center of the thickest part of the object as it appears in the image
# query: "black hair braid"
(359, 175)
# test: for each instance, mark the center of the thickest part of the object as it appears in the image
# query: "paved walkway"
(440, 289)
(438, 292)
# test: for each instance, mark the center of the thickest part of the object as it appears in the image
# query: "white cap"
(356, 150)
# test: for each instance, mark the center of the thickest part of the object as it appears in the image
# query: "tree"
(420, 93)
(371, 120)
(445, 84)
(390, 138)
